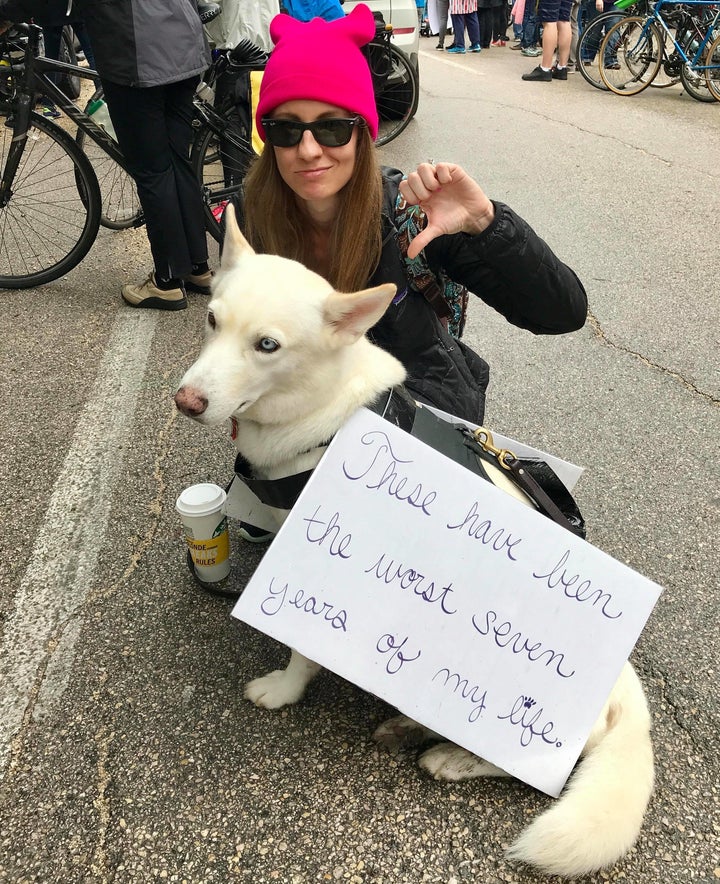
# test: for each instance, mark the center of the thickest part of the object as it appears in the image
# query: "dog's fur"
(287, 401)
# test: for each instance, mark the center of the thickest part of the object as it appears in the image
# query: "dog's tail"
(598, 817)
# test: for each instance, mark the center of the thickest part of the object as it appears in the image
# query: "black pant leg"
(143, 126)
(179, 116)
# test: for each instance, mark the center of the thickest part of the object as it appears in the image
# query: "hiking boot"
(539, 74)
(475, 47)
(457, 49)
(255, 534)
(559, 73)
(532, 51)
(149, 295)
(198, 282)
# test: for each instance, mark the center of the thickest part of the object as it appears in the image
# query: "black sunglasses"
(328, 133)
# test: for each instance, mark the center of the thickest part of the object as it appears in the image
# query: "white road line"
(64, 559)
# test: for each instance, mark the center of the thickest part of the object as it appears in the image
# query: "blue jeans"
(459, 23)
(591, 47)
(530, 26)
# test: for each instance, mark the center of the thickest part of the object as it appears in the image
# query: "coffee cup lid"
(200, 500)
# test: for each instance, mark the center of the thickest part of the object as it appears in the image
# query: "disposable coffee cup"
(202, 510)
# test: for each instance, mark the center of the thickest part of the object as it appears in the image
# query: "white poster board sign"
(467, 610)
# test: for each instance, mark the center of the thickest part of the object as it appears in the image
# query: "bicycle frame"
(656, 16)
(34, 78)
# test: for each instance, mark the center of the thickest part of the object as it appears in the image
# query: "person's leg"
(179, 115)
(549, 43)
(442, 12)
(574, 10)
(485, 26)
(458, 24)
(564, 34)
(139, 119)
(473, 29)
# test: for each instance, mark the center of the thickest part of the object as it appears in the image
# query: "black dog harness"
(470, 449)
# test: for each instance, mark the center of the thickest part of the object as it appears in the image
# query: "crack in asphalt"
(600, 334)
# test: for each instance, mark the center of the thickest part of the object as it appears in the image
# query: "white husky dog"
(286, 356)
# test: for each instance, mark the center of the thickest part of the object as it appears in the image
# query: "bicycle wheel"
(52, 216)
(589, 47)
(638, 48)
(712, 74)
(220, 162)
(120, 203)
(397, 98)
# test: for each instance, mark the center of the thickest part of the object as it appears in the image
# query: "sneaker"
(613, 66)
(571, 67)
(475, 47)
(254, 534)
(517, 45)
(539, 74)
(498, 43)
(532, 51)
(199, 283)
(457, 49)
(149, 295)
(558, 73)
(440, 47)
(48, 109)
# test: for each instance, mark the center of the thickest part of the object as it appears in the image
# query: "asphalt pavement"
(127, 753)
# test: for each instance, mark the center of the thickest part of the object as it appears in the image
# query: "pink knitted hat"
(320, 61)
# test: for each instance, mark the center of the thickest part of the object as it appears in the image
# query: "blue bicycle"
(674, 39)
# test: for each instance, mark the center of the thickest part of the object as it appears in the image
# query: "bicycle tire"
(712, 77)
(588, 49)
(397, 98)
(55, 201)
(639, 48)
(220, 163)
(120, 204)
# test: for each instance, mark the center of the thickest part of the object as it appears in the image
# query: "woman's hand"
(451, 199)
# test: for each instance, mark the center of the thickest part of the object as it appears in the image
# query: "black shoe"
(255, 534)
(539, 74)
(559, 73)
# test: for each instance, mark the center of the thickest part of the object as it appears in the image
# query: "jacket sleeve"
(515, 272)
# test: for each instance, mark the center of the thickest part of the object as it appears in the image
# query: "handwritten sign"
(450, 599)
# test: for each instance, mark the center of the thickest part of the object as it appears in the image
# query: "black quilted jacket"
(508, 266)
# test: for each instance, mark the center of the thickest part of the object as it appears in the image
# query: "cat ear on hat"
(358, 25)
(285, 26)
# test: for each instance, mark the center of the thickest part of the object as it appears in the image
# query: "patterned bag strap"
(448, 299)
(410, 220)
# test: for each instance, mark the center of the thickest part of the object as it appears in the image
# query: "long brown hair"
(274, 222)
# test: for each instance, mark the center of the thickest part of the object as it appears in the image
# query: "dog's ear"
(234, 244)
(350, 316)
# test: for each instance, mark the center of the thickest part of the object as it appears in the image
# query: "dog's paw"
(274, 690)
(402, 732)
(446, 761)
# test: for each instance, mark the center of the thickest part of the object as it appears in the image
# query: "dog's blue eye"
(267, 345)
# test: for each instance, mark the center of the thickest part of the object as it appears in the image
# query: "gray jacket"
(136, 42)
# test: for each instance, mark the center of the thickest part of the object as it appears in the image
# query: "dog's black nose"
(190, 401)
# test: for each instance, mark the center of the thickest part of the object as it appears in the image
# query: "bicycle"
(50, 199)
(641, 50)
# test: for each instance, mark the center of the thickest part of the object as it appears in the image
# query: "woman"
(318, 195)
